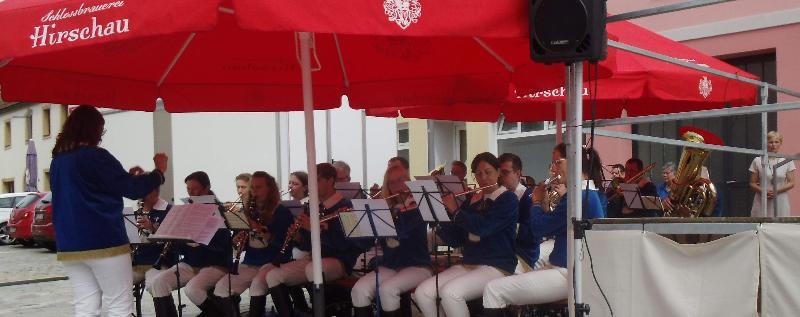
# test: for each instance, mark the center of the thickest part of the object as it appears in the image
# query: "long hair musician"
(485, 225)
(269, 222)
(548, 284)
(405, 262)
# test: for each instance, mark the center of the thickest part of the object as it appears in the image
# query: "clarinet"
(295, 227)
(243, 237)
(162, 257)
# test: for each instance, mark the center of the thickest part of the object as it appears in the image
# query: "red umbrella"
(199, 56)
(640, 85)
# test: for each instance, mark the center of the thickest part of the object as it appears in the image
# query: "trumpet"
(232, 206)
(552, 196)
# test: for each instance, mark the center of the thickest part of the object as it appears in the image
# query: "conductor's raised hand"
(136, 171)
(160, 160)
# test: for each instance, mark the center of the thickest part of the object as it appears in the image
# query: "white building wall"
(221, 144)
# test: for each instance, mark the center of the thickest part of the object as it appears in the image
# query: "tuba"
(690, 194)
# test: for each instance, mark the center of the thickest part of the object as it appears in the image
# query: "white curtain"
(780, 269)
(645, 274)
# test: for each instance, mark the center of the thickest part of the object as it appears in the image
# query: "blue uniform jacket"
(555, 223)
(486, 230)
(412, 236)
(88, 184)
(333, 241)
(216, 253)
(147, 254)
(281, 220)
(525, 245)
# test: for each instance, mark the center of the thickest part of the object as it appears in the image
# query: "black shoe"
(258, 305)
(165, 306)
(209, 308)
(298, 296)
(363, 311)
(280, 297)
(494, 312)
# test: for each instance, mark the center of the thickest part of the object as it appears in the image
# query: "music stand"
(428, 196)
(294, 206)
(190, 223)
(350, 190)
(135, 239)
(379, 223)
(635, 200)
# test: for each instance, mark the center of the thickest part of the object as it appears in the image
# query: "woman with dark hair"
(88, 185)
(485, 226)
(549, 283)
(264, 212)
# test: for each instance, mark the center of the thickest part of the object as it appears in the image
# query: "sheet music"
(130, 226)
(435, 197)
(205, 199)
(295, 207)
(197, 222)
(630, 192)
(351, 190)
(453, 184)
(356, 224)
(236, 220)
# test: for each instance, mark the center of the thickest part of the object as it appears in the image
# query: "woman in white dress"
(785, 176)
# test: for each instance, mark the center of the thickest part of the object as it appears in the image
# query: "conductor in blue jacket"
(88, 185)
(485, 225)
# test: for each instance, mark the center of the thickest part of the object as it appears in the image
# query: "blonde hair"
(775, 135)
(386, 192)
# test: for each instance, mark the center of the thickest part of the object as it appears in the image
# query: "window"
(46, 181)
(7, 202)
(8, 186)
(402, 141)
(26, 201)
(462, 145)
(28, 127)
(46, 123)
(507, 127)
(7, 134)
(64, 113)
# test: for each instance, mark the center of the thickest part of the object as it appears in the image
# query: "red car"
(21, 219)
(43, 232)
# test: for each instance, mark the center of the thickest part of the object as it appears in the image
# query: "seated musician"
(524, 244)
(147, 254)
(338, 253)
(271, 221)
(485, 225)
(201, 267)
(616, 202)
(405, 262)
(548, 284)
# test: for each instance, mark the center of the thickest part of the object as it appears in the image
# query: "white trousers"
(252, 277)
(197, 284)
(537, 287)
(457, 285)
(101, 281)
(301, 271)
(545, 248)
(392, 285)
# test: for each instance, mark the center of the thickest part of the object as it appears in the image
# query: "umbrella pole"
(574, 140)
(311, 161)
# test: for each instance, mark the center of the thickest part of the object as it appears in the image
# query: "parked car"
(43, 232)
(21, 219)
(7, 203)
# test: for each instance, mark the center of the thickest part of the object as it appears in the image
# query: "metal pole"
(364, 147)
(559, 123)
(764, 156)
(574, 177)
(328, 141)
(311, 161)
(662, 10)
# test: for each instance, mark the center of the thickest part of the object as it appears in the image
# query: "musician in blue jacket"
(201, 266)
(405, 262)
(548, 284)
(88, 185)
(525, 245)
(153, 211)
(485, 225)
(338, 253)
(270, 221)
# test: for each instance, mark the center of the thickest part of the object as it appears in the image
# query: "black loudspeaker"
(565, 31)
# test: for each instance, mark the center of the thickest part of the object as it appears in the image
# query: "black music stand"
(135, 239)
(635, 200)
(351, 190)
(428, 195)
(379, 224)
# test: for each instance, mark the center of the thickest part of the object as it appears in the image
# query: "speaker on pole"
(565, 31)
